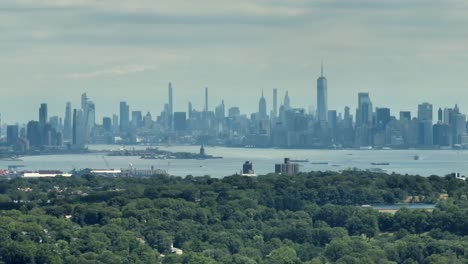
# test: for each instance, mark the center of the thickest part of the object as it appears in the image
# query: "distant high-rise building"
(382, 117)
(448, 113)
(90, 117)
(137, 119)
(84, 101)
(425, 133)
(107, 124)
(115, 122)
(233, 112)
(347, 118)
(34, 133)
(458, 127)
(190, 109)
(148, 121)
(247, 168)
(56, 123)
(206, 99)
(364, 110)
(79, 129)
(287, 168)
(287, 101)
(43, 114)
(425, 112)
(220, 111)
(322, 106)
(171, 102)
(12, 134)
(275, 103)
(440, 115)
(124, 117)
(441, 134)
(262, 108)
(180, 121)
(332, 119)
(405, 115)
(67, 125)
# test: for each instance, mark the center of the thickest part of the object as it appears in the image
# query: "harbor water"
(429, 162)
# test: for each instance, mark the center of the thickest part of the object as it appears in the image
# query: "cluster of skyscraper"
(284, 126)
(72, 132)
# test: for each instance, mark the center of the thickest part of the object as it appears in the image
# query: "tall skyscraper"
(275, 103)
(287, 101)
(148, 121)
(322, 107)
(90, 117)
(448, 112)
(347, 119)
(34, 133)
(425, 129)
(405, 115)
(171, 102)
(67, 126)
(12, 134)
(84, 101)
(332, 119)
(115, 122)
(43, 114)
(457, 125)
(262, 108)
(206, 99)
(56, 123)
(124, 117)
(440, 115)
(425, 111)
(79, 131)
(233, 112)
(441, 134)
(137, 119)
(190, 109)
(107, 124)
(382, 117)
(365, 110)
(425, 133)
(220, 111)
(180, 121)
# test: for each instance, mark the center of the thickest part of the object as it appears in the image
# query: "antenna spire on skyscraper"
(321, 69)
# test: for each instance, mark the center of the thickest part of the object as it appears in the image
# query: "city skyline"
(120, 50)
(311, 109)
(371, 126)
(201, 103)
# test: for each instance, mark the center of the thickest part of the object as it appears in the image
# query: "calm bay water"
(438, 162)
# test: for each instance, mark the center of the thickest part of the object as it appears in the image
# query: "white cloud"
(173, 7)
(116, 70)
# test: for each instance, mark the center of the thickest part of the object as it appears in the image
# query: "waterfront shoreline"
(400, 161)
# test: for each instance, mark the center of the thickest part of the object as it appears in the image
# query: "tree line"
(311, 217)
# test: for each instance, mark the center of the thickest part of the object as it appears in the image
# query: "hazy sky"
(401, 51)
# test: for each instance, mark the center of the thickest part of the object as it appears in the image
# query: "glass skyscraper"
(322, 107)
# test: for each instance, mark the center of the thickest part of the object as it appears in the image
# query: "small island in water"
(156, 153)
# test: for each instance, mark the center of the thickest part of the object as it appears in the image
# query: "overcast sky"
(403, 52)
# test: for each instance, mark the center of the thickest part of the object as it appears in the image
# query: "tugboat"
(416, 157)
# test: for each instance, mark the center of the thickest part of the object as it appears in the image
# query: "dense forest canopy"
(312, 217)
